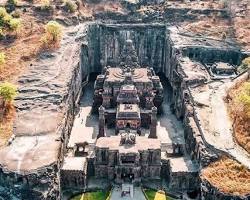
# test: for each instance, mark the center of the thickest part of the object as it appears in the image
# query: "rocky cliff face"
(209, 192)
(48, 96)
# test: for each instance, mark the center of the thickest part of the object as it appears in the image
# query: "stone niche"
(211, 55)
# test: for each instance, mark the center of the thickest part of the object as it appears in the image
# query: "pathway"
(116, 194)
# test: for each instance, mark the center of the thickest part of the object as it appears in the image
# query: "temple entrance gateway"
(128, 174)
(127, 177)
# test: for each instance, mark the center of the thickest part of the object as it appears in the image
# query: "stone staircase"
(128, 188)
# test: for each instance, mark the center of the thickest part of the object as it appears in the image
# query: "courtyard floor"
(116, 194)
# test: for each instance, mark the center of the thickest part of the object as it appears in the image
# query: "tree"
(8, 91)
(53, 30)
(52, 36)
(70, 6)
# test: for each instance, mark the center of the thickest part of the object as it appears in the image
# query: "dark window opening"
(103, 156)
(193, 194)
(128, 159)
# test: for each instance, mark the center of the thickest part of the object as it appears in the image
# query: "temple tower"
(153, 123)
(101, 122)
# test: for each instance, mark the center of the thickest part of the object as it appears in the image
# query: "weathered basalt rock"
(210, 192)
(48, 96)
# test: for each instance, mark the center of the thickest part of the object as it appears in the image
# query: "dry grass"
(205, 4)
(228, 176)
(240, 118)
(213, 27)
(6, 125)
(241, 11)
(22, 49)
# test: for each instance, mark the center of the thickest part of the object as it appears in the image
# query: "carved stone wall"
(211, 55)
(184, 181)
(72, 179)
(111, 167)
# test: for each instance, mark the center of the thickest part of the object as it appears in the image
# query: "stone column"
(101, 122)
(153, 123)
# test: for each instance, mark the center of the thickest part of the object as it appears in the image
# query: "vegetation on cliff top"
(239, 108)
(53, 33)
(8, 92)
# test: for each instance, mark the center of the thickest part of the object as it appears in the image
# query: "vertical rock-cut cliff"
(48, 93)
(105, 43)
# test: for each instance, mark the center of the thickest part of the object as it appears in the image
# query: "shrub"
(15, 24)
(8, 91)
(3, 12)
(2, 58)
(245, 64)
(246, 61)
(15, 14)
(53, 32)
(46, 5)
(1, 34)
(3, 16)
(7, 19)
(70, 6)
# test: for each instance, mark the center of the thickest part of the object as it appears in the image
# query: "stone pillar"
(101, 122)
(153, 123)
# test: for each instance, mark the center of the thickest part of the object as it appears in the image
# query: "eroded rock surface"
(45, 108)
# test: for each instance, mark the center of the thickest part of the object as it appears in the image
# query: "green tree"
(70, 6)
(8, 91)
(53, 32)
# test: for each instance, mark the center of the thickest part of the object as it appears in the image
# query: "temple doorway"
(127, 177)
(128, 125)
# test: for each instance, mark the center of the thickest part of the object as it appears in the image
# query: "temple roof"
(128, 111)
(74, 163)
(142, 143)
(116, 74)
